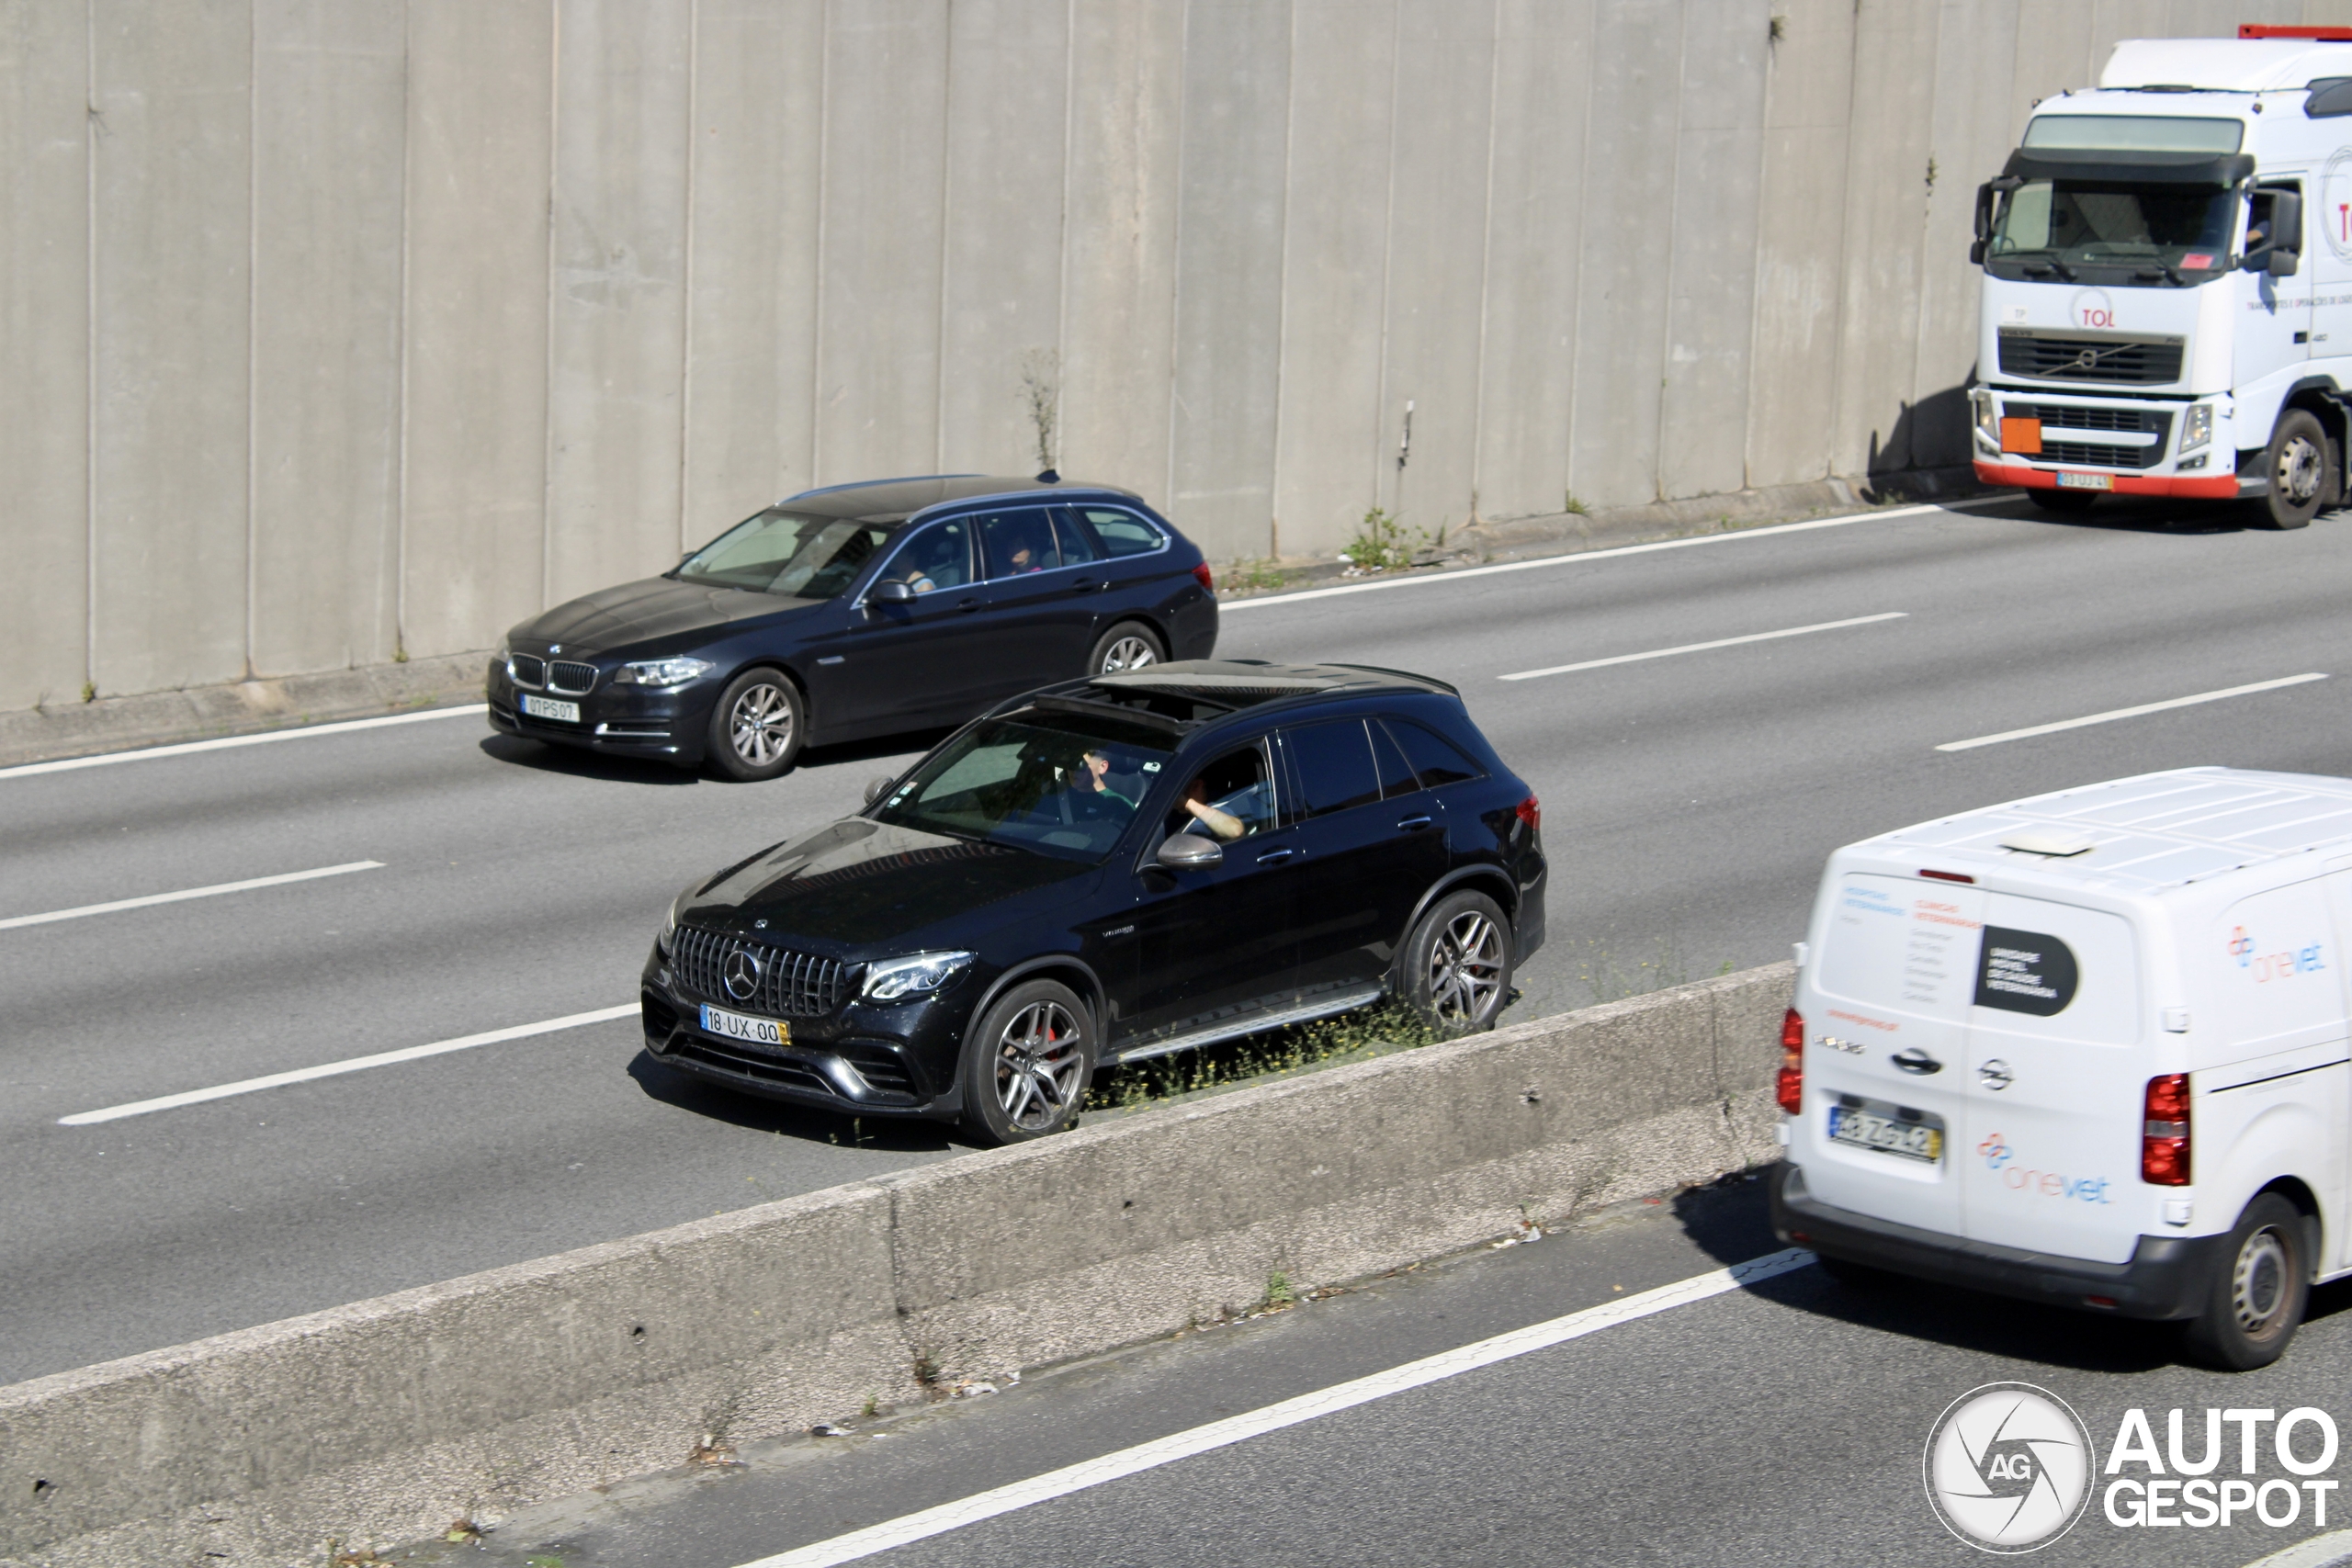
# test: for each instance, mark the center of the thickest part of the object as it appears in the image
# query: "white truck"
(2167, 294)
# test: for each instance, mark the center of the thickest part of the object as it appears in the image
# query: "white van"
(2088, 1049)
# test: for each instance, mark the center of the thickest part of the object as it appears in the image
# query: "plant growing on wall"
(1041, 394)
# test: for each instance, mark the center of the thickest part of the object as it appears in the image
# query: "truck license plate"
(1907, 1140)
(2086, 481)
(739, 1026)
(548, 707)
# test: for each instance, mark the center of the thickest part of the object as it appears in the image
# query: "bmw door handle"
(1274, 857)
(966, 606)
(1411, 823)
(1084, 587)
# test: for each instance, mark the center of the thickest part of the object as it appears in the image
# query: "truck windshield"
(2104, 223)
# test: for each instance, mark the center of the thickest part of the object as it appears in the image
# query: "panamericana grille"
(2090, 454)
(791, 985)
(563, 675)
(2081, 356)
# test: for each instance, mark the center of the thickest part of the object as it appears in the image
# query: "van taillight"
(1789, 1088)
(1530, 811)
(2164, 1131)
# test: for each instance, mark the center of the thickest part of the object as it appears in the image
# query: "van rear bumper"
(2167, 1276)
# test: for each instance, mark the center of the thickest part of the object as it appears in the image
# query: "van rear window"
(2055, 972)
(1897, 944)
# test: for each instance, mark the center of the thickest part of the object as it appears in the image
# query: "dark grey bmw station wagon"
(860, 610)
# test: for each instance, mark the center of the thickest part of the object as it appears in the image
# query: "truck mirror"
(2286, 227)
(2280, 262)
(1984, 217)
(1976, 253)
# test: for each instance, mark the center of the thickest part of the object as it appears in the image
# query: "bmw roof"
(894, 501)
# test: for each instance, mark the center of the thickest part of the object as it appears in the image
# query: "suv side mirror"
(875, 787)
(890, 593)
(1189, 851)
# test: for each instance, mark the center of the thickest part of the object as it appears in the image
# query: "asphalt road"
(1783, 1424)
(1689, 803)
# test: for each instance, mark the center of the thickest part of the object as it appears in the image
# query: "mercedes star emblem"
(740, 974)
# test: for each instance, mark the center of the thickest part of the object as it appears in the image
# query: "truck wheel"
(2297, 467)
(756, 726)
(2254, 1300)
(2066, 503)
(1027, 1064)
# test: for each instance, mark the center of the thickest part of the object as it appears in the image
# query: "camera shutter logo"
(2008, 1467)
(740, 974)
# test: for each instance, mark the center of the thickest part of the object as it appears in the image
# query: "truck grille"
(2096, 455)
(791, 985)
(2085, 356)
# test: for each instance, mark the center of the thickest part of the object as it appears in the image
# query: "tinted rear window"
(1122, 533)
(1436, 761)
(1334, 766)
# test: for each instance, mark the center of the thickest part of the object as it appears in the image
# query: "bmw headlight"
(2198, 428)
(917, 976)
(662, 671)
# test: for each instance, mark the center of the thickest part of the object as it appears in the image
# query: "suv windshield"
(782, 552)
(2056, 226)
(1064, 784)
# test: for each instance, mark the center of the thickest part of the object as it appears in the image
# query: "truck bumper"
(2166, 1277)
(2201, 486)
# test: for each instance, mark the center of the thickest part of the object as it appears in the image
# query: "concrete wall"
(388, 1418)
(340, 330)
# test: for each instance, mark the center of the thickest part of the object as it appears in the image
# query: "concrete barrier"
(392, 1418)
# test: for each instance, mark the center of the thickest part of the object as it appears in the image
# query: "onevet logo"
(1995, 1152)
(2268, 966)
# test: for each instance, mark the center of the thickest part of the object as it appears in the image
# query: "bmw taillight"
(1789, 1090)
(1202, 575)
(1530, 811)
(2164, 1131)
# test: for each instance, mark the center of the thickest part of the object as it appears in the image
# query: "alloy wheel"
(2258, 1283)
(760, 725)
(2300, 465)
(1128, 653)
(1465, 968)
(1038, 1066)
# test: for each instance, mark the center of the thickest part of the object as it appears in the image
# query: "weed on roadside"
(1371, 1031)
(1382, 543)
(1254, 576)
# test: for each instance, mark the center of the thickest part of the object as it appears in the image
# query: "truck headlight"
(1988, 420)
(916, 977)
(2198, 428)
(661, 672)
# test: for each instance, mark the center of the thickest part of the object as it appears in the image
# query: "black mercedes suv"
(860, 610)
(1136, 863)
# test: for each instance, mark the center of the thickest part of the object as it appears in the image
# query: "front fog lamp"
(661, 672)
(2198, 428)
(1988, 423)
(916, 977)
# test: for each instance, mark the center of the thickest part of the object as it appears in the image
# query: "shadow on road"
(544, 757)
(890, 1135)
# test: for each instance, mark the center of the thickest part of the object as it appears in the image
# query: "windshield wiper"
(2054, 265)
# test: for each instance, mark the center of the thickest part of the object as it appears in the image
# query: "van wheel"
(1027, 1064)
(1456, 967)
(1130, 645)
(755, 729)
(2297, 467)
(2254, 1300)
(2066, 503)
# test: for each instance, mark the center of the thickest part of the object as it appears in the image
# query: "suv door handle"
(1421, 821)
(1271, 857)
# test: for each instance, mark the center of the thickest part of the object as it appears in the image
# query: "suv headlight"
(1988, 423)
(2198, 428)
(670, 920)
(661, 672)
(916, 977)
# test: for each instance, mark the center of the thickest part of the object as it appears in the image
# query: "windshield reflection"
(1064, 785)
(782, 552)
(2174, 233)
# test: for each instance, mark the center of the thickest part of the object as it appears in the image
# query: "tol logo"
(2092, 308)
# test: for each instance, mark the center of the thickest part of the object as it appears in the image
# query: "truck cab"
(2167, 280)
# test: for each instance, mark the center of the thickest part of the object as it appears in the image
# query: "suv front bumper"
(2166, 1277)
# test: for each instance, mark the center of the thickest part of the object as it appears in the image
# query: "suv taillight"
(1530, 811)
(1202, 575)
(1789, 1088)
(2164, 1131)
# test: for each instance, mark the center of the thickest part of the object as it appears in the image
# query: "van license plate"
(738, 1026)
(548, 707)
(2086, 481)
(1907, 1140)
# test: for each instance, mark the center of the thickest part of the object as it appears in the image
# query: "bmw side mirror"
(1189, 851)
(875, 787)
(890, 593)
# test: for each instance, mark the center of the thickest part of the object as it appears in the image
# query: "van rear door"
(1885, 1010)
(2056, 1069)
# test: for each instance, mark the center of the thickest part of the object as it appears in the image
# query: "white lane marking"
(352, 1065)
(2128, 713)
(1275, 1418)
(1226, 608)
(1703, 647)
(186, 748)
(278, 881)
(2316, 1552)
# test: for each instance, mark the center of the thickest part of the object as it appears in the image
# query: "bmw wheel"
(1028, 1063)
(756, 728)
(1456, 967)
(2254, 1299)
(1130, 645)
